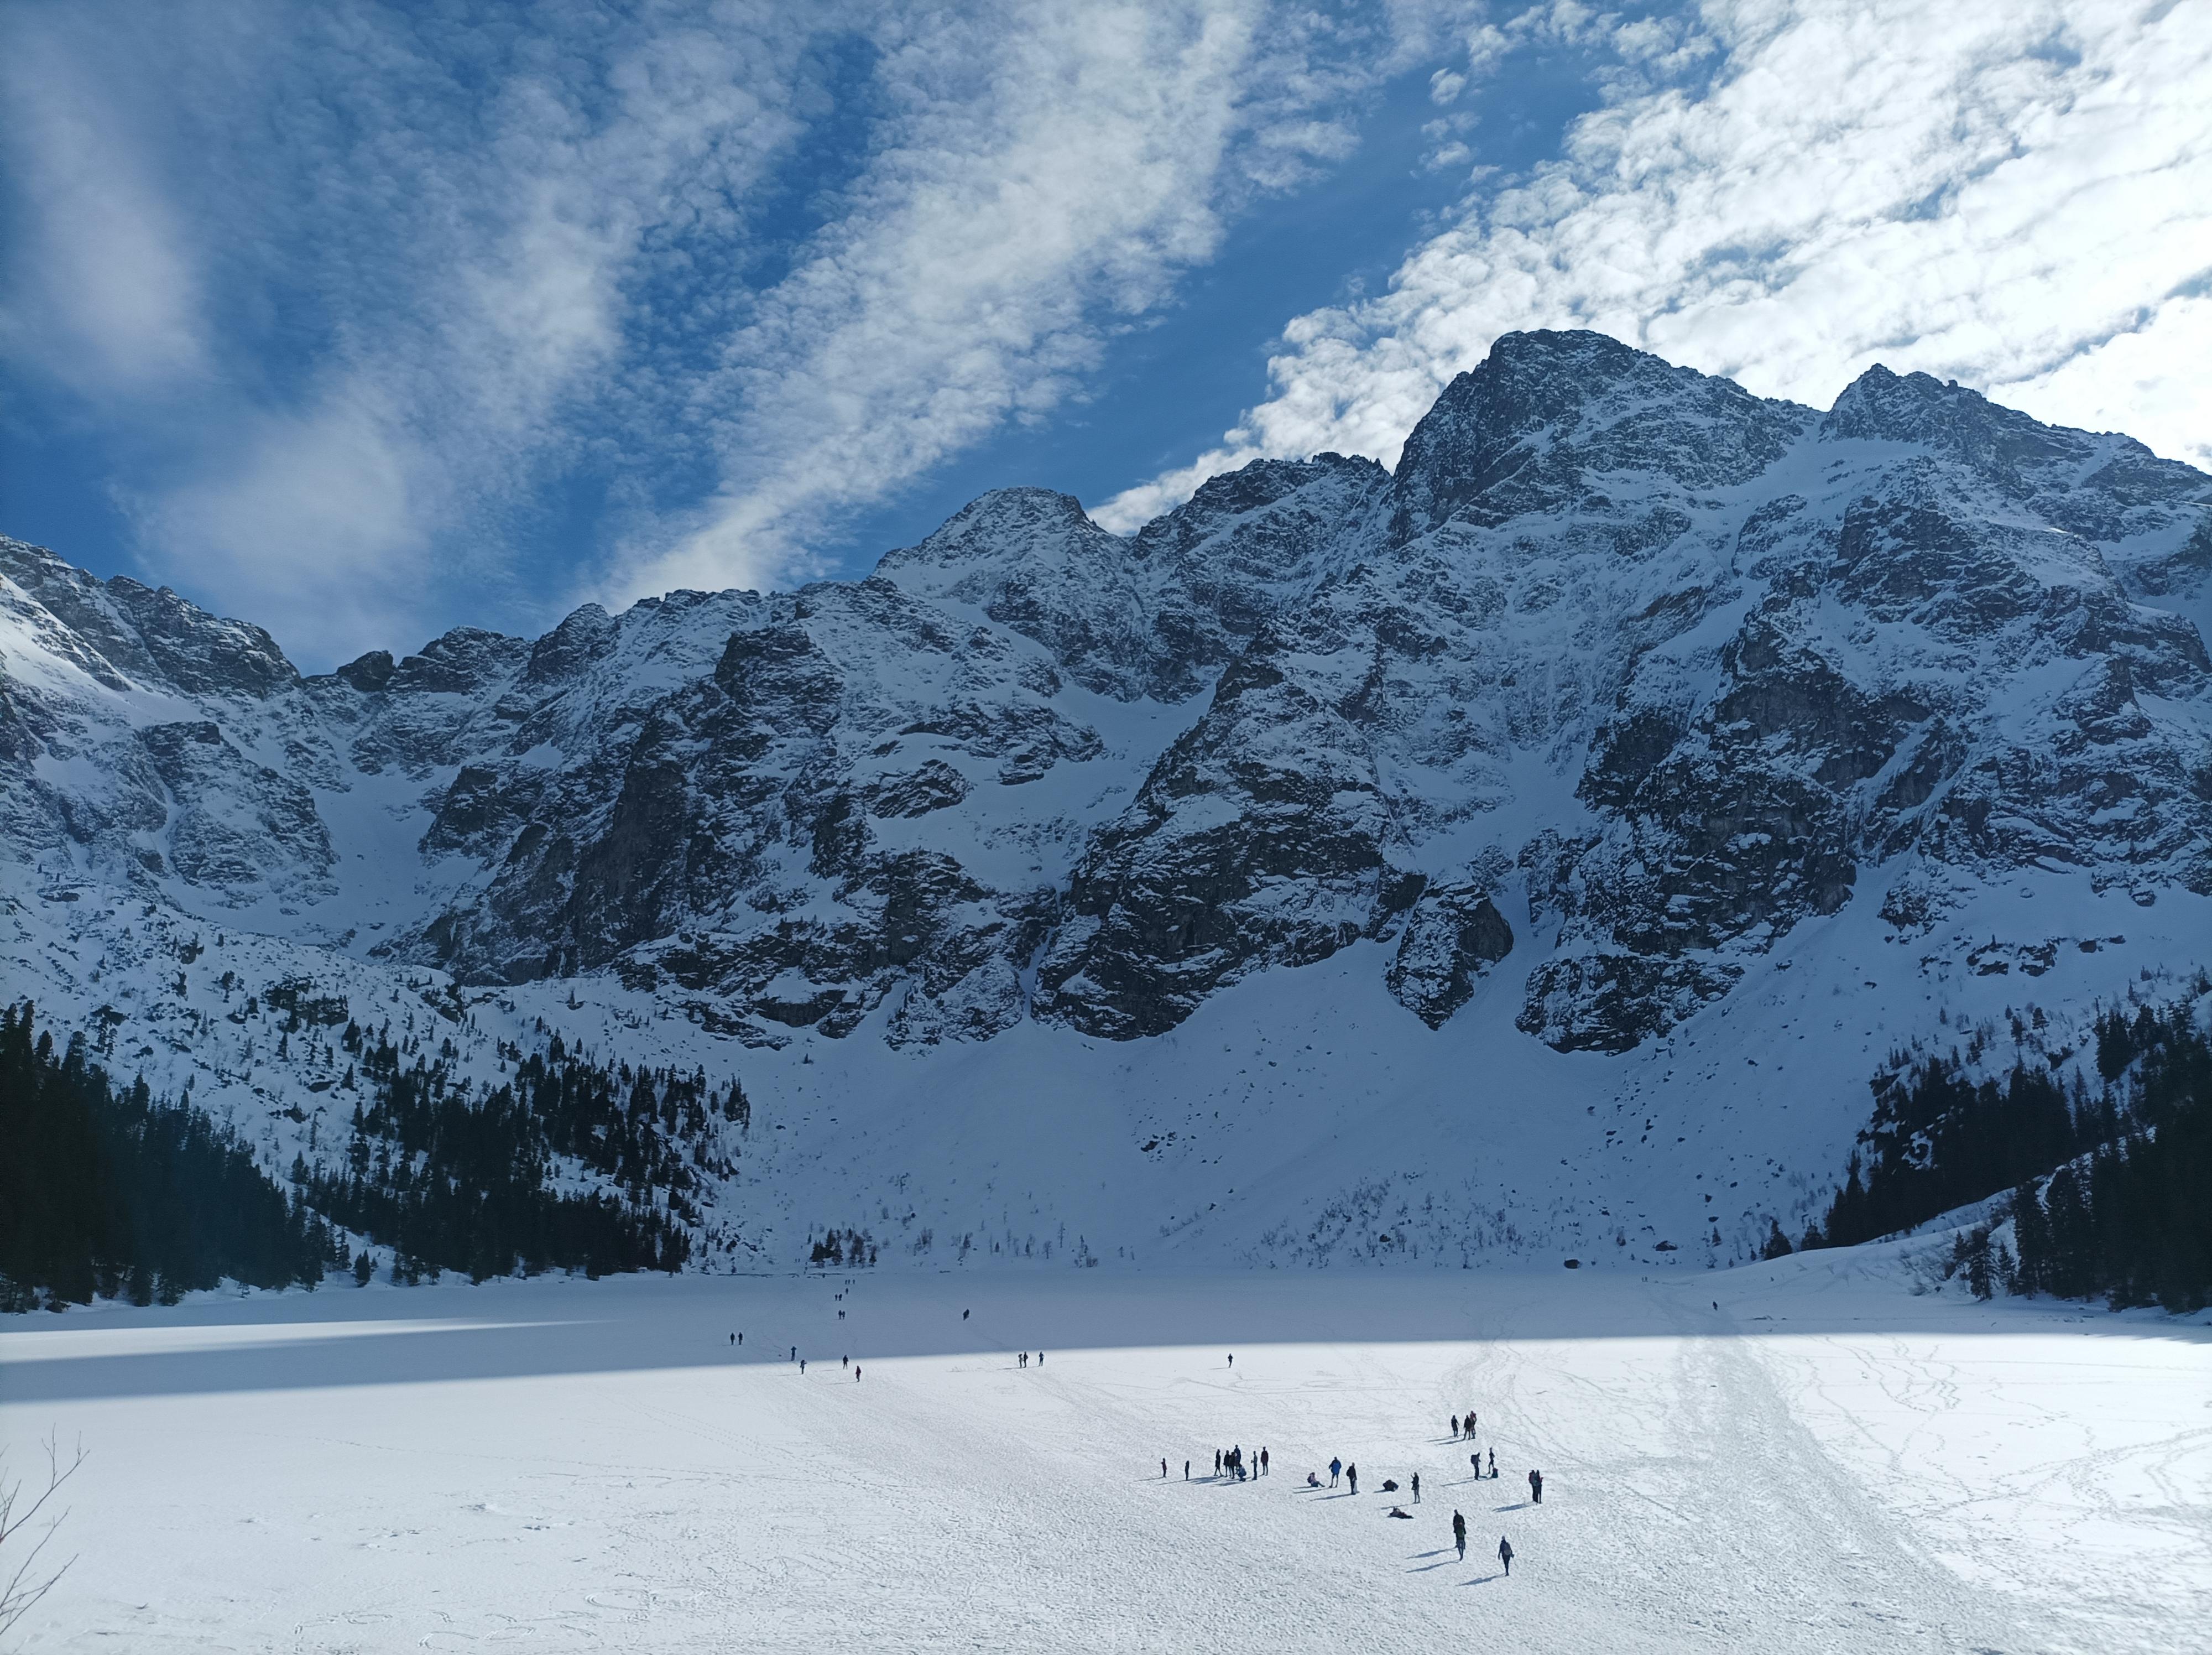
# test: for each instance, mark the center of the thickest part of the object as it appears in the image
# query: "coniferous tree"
(2108, 1189)
(112, 1194)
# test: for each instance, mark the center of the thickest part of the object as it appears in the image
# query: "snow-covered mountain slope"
(1346, 862)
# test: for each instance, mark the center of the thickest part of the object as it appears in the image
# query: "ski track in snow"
(1823, 1462)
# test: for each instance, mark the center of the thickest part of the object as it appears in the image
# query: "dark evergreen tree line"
(452, 1178)
(1940, 1139)
(2131, 1221)
(109, 1192)
(2109, 1187)
(853, 1249)
(104, 1190)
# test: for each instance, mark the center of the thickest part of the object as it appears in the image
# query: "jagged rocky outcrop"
(1621, 676)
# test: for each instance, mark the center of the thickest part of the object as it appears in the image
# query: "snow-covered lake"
(1823, 1462)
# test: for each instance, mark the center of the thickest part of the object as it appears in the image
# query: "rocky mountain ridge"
(1621, 678)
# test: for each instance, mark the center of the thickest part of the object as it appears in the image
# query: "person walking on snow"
(1351, 1476)
(1455, 1430)
(1335, 1471)
(1417, 1486)
(1186, 1471)
(1217, 1462)
(1536, 1486)
(1459, 1535)
(1493, 1462)
(1505, 1552)
(1263, 1462)
(1164, 1470)
(856, 1373)
(802, 1365)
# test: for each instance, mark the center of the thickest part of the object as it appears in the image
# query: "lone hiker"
(1459, 1535)
(1417, 1486)
(1505, 1552)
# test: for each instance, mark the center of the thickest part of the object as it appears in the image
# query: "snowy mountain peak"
(1546, 416)
(1628, 696)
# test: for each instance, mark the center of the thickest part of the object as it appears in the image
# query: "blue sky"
(363, 322)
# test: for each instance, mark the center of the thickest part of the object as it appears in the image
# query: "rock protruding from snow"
(1453, 935)
(1551, 422)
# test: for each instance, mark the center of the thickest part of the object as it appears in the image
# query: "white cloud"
(103, 294)
(2012, 194)
(1043, 170)
(352, 350)
(314, 525)
(382, 276)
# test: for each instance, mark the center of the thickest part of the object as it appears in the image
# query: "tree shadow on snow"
(530, 1328)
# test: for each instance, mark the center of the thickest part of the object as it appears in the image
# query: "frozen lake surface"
(1823, 1462)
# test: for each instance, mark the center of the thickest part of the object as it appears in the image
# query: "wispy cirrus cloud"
(388, 252)
(357, 288)
(2014, 194)
(1039, 173)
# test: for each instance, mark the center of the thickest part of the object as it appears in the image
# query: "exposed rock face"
(1624, 674)
(1157, 615)
(1453, 936)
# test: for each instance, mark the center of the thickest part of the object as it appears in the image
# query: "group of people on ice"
(1231, 1464)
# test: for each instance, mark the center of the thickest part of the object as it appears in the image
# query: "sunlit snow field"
(1824, 1461)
